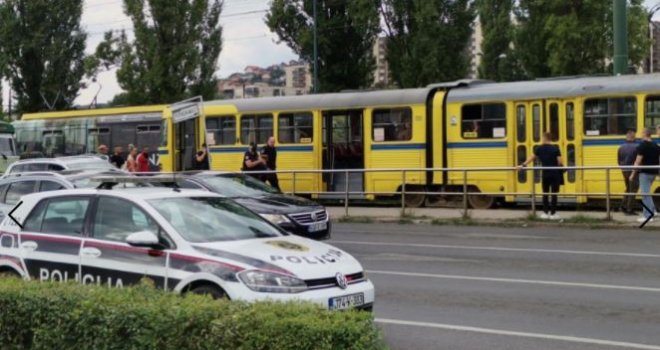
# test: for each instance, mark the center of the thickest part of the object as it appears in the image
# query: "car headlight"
(271, 282)
(276, 219)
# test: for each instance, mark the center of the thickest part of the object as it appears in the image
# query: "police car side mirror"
(145, 239)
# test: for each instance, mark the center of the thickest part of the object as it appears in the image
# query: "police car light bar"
(109, 181)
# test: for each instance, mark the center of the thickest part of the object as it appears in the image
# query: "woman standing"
(550, 157)
(131, 162)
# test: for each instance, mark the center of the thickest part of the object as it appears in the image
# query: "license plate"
(319, 226)
(346, 302)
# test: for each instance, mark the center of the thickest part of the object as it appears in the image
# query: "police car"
(183, 240)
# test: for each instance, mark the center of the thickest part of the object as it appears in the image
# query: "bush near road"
(37, 315)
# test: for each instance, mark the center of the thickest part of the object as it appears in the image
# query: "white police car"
(184, 240)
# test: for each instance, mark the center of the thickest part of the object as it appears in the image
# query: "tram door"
(343, 148)
(185, 133)
(563, 135)
(529, 128)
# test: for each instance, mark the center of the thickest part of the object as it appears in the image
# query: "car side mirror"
(146, 239)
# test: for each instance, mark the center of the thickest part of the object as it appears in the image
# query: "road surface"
(442, 287)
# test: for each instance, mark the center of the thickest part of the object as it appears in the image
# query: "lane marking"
(502, 249)
(515, 280)
(565, 338)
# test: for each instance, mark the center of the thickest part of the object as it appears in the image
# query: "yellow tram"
(464, 124)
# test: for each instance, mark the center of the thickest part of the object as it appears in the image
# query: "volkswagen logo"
(341, 280)
(314, 217)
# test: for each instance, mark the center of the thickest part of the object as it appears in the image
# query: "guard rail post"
(465, 195)
(346, 194)
(293, 187)
(607, 195)
(533, 182)
(403, 193)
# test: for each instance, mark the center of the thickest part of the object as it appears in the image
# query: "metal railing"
(464, 183)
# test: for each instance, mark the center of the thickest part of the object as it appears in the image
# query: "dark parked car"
(297, 215)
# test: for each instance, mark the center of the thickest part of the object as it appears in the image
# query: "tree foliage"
(42, 47)
(346, 29)
(428, 40)
(174, 52)
(556, 38)
(498, 61)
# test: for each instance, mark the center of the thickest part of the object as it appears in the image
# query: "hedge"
(36, 315)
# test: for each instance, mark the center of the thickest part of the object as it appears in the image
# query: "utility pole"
(316, 48)
(620, 8)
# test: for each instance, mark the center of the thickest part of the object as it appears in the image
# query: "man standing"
(270, 154)
(552, 179)
(626, 157)
(202, 159)
(116, 158)
(143, 161)
(648, 154)
(103, 151)
(252, 161)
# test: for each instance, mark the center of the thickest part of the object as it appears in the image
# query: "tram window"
(652, 111)
(570, 121)
(392, 125)
(522, 157)
(554, 121)
(141, 129)
(295, 127)
(98, 131)
(570, 150)
(223, 130)
(609, 116)
(536, 123)
(256, 128)
(521, 123)
(483, 121)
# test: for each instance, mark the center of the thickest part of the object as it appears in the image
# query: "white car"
(184, 240)
(82, 162)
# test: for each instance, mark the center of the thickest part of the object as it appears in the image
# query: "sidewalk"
(500, 216)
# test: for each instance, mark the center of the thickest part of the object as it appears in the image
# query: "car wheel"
(9, 274)
(214, 292)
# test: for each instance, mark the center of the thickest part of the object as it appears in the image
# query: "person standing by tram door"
(202, 159)
(550, 157)
(627, 155)
(142, 161)
(270, 154)
(117, 159)
(648, 153)
(252, 162)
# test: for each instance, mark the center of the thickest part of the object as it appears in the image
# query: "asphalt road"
(441, 287)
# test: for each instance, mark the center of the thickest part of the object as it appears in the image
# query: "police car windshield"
(210, 219)
(237, 185)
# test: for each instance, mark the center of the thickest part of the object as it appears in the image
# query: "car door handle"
(90, 252)
(29, 245)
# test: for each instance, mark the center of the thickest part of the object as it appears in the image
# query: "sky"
(246, 40)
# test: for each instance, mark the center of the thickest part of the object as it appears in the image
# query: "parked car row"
(224, 234)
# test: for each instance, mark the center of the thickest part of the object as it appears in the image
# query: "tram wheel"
(481, 202)
(415, 200)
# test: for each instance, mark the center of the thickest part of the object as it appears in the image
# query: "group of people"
(644, 155)
(134, 162)
(253, 161)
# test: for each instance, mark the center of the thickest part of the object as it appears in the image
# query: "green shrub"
(37, 315)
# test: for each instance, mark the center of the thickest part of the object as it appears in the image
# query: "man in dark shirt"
(648, 154)
(252, 161)
(116, 158)
(626, 157)
(270, 154)
(549, 156)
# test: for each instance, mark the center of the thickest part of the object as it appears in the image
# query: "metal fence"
(465, 192)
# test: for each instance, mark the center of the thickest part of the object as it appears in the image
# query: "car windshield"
(237, 185)
(211, 219)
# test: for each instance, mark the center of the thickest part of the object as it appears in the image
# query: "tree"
(427, 40)
(174, 53)
(42, 46)
(346, 29)
(497, 58)
(558, 38)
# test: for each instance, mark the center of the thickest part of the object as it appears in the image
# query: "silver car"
(83, 162)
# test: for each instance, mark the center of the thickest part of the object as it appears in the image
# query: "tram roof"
(341, 100)
(564, 87)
